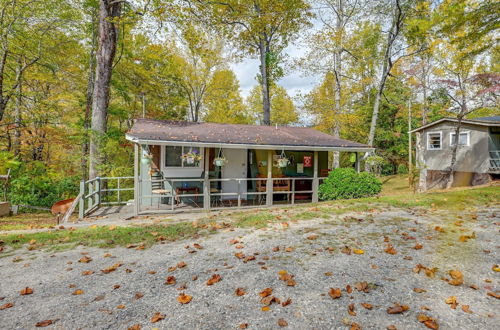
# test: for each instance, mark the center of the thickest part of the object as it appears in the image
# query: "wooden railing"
(495, 160)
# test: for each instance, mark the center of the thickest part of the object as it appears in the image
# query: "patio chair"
(158, 187)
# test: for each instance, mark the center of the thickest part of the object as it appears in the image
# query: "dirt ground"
(302, 261)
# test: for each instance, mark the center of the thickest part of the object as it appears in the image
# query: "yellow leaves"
(239, 255)
(456, 277)
(358, 251)
(428, 321)
(113, 227)
(157, 317)
(120, 307)
(465, 238)
(111, 268)
(265, 308)
(466, 309)
(452, 301)
(26, 291)
(284, 276)
(77, 292)
(184, 298)
(428, 272)
(495, 268)
(335, 293)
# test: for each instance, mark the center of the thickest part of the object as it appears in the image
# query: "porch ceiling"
(148, 131)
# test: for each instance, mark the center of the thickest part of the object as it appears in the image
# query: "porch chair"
(158, 187)
(278, 185)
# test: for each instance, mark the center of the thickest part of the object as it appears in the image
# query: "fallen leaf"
(239, 255)
(452, 301)
(289, 249)
(152, 272)
(116, 286)
(87, 272)
(390, 249)
(44, 323)
(243, 325)
(134, 327)
(348, 288)
(418, 246)
(157, 317)
(350, 310)
(456, 277)
(335, 293)
(493, 294)
(355, 326)
(120, 306)
(171, 269)
(391, 327)
(312, 237)
(367, 305)
(466, 309)
(240, 292)
(265, 308)
(418, 290)
(397, 309)
(198, 246)
(266, 292)
(7, 305)
(170, 280)
(113, 227)
(234, 241)
(328, 274)
(286, 302)
(26, 291)
(214, 279)
(138, 295)
(358, 251)
(184, 298)
(346, 250)
(495, 268)
(362, 286)
(85, 259)
(276, 249)
(428, 321)
(282, 323)
(111, 268)
(181, 264)
(77, 292)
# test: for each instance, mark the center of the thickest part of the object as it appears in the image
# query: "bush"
(402, 169)
(346, 183)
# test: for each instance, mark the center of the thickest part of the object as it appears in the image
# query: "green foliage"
(346, 183)
(402, 169)
(34, 185)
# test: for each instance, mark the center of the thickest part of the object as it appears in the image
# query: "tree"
(223, 102)
(109, 14)
(261, 28)
(283, 110)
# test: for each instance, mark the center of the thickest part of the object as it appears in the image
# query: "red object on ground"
(61, 207)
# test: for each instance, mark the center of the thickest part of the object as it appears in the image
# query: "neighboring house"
(166, 180)
(478, 154)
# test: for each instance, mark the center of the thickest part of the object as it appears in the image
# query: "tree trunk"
(88, 105)
(453, 161)
(3, 99)
(338, 78)
(266, 102)
(109, 11)
(17, 116)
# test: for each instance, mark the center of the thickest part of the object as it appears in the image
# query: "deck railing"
(494, 160)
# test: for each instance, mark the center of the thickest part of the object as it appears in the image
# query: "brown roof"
(214, 133)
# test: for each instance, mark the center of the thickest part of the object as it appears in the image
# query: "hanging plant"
(282, 161)
(191, 157)
(220, 160)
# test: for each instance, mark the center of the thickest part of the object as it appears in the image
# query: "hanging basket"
(220, 161)
(283, 162)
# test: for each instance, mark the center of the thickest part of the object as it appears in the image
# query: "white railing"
(495, 160)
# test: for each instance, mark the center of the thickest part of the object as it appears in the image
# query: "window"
(173, 156)
(463, 141)
(434, 140)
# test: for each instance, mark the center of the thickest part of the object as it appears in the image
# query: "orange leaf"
(265, 308)
(138, 295)
(348, 288)
(418, 290)
(170, 280)
(418, 246)
(282, 323)
(198, 246)
(7, 305)
(77, 292)
(87, 272)
(452, 301)
(466, 309)
(45, 323)
(362, 286)
(240, 292)
(181, 264)
(286, 302)
(243, 325)
(134, 327)
(120, 306)
(184, 298)
(26, 291)
(390, 249)
(367, 305)
(85, 259)
(397, 309)
(335, 293)
(239, 255)
(157, 317)
(214, 279)
(456, 277)
(266, 292)
(350, 310)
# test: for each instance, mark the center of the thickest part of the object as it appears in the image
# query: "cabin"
(478, 153)
(185, 166)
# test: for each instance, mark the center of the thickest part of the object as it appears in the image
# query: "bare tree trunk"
(109, 11)
(88, 105)
(17, 116)
(266, 102)
(397, 22)
(338, 78)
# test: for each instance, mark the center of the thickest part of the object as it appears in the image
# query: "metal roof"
(483, 121)
(149, 131)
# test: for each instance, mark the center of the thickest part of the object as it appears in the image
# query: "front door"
(236, 167)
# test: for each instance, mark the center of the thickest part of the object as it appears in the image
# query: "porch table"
(181, 190)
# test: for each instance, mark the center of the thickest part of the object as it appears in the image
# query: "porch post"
(357, 166)
(206, 183)
(315, 184)
(269, 181)
(136, 179)
(81, 207)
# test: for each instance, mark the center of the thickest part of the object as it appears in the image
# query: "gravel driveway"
(300, 260)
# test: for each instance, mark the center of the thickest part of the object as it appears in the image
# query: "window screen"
(434, 141)
(173, 156)
(464, 137)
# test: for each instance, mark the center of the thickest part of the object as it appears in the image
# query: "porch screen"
(173, 156)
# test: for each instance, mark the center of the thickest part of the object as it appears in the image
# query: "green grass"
(395, 185)
(100, 236)
(256, 220)
(27, 221)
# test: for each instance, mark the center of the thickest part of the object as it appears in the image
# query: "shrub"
(346, 183)
(402, 169)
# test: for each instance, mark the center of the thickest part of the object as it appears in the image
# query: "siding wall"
(471, 158)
